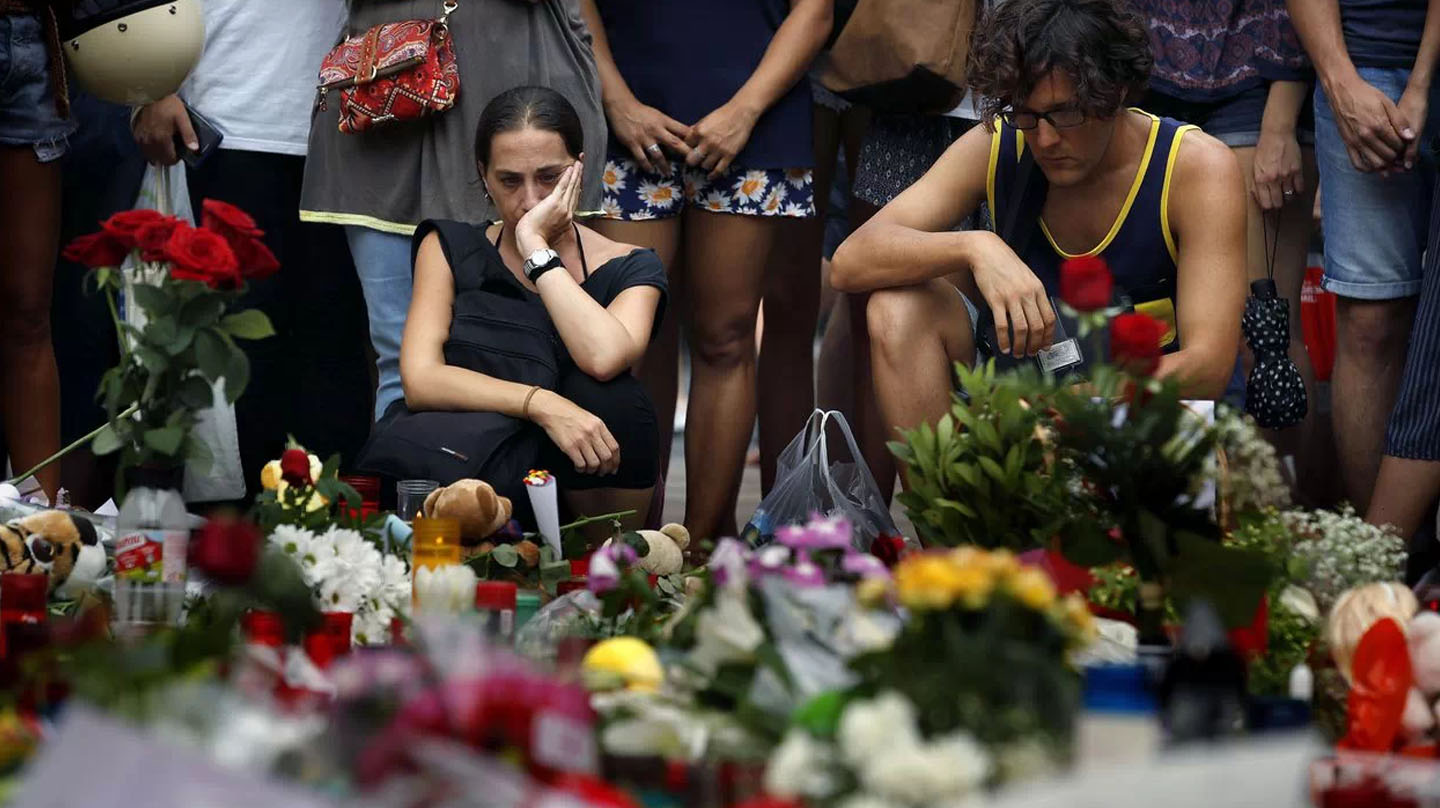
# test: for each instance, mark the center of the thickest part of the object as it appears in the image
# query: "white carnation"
(870, 727)
(800, 767)
(946, 769)
(725, 633)
(448, 589)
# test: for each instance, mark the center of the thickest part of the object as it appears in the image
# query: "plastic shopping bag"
(807, 482)
(165, 190)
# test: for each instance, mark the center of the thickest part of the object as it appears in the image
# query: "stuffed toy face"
(55, 543)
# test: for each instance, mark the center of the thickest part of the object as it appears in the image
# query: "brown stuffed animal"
(56, 543)
(480, 511)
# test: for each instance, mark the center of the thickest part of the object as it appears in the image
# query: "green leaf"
(1233, 580)
(237, 374)
(248, 324)
(165, 440)
(196, 393)
(636, 543)
(212, 353)
(152, 360)
(153, 299)
(992, 468)
(505, 555)
(106, 442)
(202, 311)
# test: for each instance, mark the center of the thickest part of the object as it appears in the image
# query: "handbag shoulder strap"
(447, 7)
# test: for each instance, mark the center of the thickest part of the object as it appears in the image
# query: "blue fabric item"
(1383, 33)
(383, 262)
(687, 58)
(1210, 51)
(1375, 228)
(1137, 254)
(1414, 430)
(28, 116)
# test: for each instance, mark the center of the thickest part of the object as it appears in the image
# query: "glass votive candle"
(410, 497)
(435, 543)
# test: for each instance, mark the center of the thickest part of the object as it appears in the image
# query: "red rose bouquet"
(180, 325)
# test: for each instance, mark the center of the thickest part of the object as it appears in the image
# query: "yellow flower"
(315, 503)
(925, 581)
(872, 591)
(1033, 588)
(1003, 564)
(1077, 613)
(626, 661)
(270, 476)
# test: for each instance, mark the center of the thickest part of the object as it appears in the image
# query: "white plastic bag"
(165, 190)
(807, 482)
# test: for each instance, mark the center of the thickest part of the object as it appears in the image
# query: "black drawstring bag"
(1275, 392)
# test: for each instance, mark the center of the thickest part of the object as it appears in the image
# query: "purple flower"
(727, 563)
(769, 560)
(606, 565)
(805, 573)
(865, 566)
(820, 534)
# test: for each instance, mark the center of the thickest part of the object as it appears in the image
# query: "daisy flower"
(658, 195)
(613, 178)
(751, 187)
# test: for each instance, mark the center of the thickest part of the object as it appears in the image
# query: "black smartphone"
(206, 135)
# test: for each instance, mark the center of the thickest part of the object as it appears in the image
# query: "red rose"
(1085, 283)
(124, 225)
(255, 259)
(96, 250)
(226, 219)
(199, 255)
(151, 238)
(226, 550)
(888, 549)
(1135, 342)
(295, 467)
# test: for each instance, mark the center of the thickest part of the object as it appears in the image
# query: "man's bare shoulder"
(1204, 168)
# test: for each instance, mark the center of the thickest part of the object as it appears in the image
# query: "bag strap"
(861, 466)
(447, 7)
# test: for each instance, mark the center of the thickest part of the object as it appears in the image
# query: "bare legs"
(1370, 342)
(786, 369)
(29, 232)
(917, 333)
(725, 258)
(659, 371)
(1289, 234)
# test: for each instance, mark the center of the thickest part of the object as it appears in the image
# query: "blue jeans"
(1375, 228)
(383, 263)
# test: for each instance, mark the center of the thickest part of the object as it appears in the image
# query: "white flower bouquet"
(346, 573)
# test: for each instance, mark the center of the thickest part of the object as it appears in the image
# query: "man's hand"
(1016, 297)
(1376, 134)
(1414, 106)
(156, 127)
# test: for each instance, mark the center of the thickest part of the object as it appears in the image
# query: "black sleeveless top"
(499, 327)
(1139, 248)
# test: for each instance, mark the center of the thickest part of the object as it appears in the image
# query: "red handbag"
(398, 71)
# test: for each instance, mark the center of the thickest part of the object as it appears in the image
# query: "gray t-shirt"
(393, 177)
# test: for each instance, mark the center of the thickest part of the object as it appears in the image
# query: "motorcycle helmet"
(132, 51)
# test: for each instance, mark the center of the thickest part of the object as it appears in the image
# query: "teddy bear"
(667, 549)
(57, 543)
(474, 504)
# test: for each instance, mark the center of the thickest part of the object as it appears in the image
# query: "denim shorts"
(1375, 228)
(1234, 121)
(28, 116)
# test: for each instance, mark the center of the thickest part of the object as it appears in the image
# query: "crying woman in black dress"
(521, 335)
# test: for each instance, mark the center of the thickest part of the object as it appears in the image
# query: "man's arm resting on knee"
(910, 240)
(1207, 219)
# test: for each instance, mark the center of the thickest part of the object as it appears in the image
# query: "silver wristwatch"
(540, 262)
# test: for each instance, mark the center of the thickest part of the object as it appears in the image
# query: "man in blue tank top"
(1163, 203)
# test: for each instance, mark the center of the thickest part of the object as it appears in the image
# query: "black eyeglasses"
(1062, 118)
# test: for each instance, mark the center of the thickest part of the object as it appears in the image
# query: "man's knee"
(1374, 328)
(895, 316)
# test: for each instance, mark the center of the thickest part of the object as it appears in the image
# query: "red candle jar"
(331, 640)
(263, 628)
(369, 490)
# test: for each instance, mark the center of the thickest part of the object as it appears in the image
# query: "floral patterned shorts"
(632, 195)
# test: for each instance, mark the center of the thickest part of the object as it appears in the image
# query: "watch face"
(540, 258)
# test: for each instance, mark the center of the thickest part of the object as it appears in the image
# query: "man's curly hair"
(1101, 45)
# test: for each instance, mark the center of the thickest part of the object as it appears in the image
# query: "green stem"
(119, 332)
(590, 520)
(72, 447)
